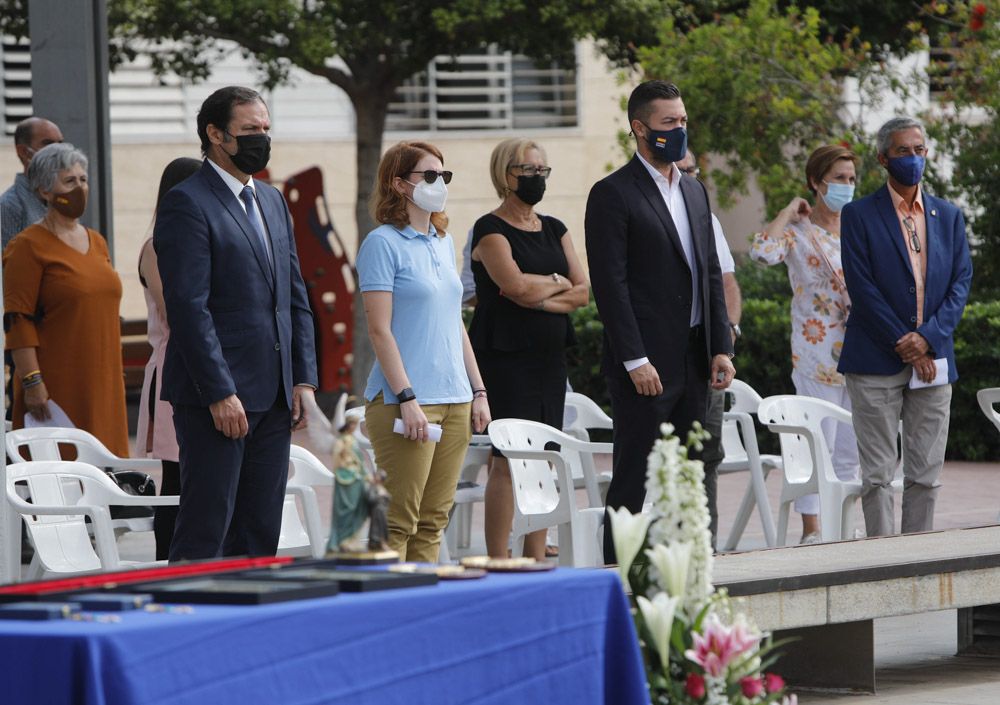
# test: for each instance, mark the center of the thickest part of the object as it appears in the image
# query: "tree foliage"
(965, 129)
(365, 47)
(764, 87)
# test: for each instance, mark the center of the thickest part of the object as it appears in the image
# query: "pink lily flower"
(718, 645)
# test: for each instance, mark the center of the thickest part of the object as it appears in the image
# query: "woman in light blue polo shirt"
(425, 371)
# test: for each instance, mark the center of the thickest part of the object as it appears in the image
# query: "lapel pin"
(933, 211)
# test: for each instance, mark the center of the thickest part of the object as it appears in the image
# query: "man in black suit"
(241, 360)
(658, 287)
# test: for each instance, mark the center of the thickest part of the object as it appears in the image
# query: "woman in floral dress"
(807, 239)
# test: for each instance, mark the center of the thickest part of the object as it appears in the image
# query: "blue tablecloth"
(559, 637)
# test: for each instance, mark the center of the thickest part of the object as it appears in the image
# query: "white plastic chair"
(458, 534)
(543, 488)
(581, 414)
(808, 467)
(739, 442)
(43, 444)
(62, 494)
(987, 398)
(303, 535)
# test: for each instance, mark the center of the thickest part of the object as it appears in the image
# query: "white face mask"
(430, 197)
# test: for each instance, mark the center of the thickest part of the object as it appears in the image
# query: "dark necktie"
(247, 195)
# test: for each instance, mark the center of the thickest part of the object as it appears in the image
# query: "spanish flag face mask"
(667, 145)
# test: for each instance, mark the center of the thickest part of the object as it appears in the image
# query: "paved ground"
(914, 654)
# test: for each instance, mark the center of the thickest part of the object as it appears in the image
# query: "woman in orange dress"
(61, 298)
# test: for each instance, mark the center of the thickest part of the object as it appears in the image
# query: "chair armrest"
(594, 447)
(784, 428)
(141, 464)
(300, 490)
(549, 455)
(114, 497)
(22, 507)
(169, 500)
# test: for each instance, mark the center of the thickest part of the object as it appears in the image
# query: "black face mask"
(252, 152)
(530, 189)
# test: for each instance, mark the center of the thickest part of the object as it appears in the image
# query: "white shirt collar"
(231, 181)
(657, 176)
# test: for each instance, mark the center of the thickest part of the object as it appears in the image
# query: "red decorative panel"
(329, 276)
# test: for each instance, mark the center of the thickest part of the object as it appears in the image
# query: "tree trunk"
(370, 108)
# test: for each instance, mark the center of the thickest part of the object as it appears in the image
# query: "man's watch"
(405, 395)
(737, 333)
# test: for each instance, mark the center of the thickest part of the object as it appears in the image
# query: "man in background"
(20, 206)
(713, 453)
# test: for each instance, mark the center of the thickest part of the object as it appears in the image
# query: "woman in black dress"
(528, 278)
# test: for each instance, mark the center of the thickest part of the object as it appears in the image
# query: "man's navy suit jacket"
(237, 325)
(880, 283)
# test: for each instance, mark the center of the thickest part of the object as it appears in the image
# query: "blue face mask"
(667, 145)
(837, 195)
(907, 170)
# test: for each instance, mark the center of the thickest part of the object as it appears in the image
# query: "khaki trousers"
(879, 403)
(421, 476)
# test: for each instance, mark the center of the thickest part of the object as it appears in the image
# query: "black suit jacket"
(237, 324)
(641, 278)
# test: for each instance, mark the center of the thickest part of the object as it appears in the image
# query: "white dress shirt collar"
(231, 181)
(675, 177)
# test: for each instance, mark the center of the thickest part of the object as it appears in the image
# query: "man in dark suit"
(241, 359)
(658, 287)
(908, 270)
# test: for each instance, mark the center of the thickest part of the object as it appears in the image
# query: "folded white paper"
(57, 418)
(433, 430)
(940, 375)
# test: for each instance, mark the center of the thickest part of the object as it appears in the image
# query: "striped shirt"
(20, 207)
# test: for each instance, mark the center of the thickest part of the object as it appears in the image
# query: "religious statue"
(357, 495)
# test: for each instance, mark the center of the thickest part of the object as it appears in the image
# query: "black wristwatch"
(405, 395)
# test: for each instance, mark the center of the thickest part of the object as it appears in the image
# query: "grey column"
(69, 86)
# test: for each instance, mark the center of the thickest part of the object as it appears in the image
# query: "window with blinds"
(15, 82)
(494, 90)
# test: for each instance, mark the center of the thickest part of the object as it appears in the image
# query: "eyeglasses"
(691, 171)
(911, 230)
(532, 170)
(430, 176)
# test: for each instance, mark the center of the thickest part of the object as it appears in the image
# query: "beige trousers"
(879, 403)
(421, 476)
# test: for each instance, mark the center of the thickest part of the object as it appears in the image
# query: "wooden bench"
(827, 596)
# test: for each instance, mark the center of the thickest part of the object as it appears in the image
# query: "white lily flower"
(658, 615)
(671, 563)
(628, 532)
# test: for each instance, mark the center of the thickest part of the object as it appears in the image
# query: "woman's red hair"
(387, 204)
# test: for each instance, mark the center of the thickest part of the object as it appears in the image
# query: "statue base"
(363, 557)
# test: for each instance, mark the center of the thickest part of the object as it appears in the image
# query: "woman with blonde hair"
(425, 380)
(807, 239)
(528, 278)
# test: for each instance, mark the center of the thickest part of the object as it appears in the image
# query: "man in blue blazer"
(241, 357)
(907, 268)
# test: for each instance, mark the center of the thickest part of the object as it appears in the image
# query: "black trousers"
(232, 491)
(164, 518)
(637, 426)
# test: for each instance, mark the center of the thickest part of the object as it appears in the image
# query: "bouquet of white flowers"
(697, 649)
